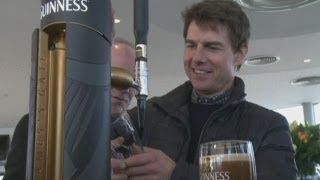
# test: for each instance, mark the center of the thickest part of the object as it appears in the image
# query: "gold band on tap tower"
(48, 156)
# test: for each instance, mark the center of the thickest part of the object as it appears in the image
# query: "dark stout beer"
(225, 167)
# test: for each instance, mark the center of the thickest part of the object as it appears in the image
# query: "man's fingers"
(147, 149)
(117, 141)
(119, 177)
(118, 167)
(136, 149)
(118, 164)
(136, 171)
(137, 160)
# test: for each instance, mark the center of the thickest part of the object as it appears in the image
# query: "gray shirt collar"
(218, 99)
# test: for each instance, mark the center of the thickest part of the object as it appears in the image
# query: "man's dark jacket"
(167, 127)
(15, 168)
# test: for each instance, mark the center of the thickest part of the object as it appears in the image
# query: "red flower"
(303, 136)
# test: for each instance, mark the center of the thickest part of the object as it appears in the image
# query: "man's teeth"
(200, 71)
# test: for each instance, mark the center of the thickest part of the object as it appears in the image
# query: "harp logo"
(63, 6)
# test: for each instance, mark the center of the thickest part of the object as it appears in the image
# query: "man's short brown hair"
(213, 14)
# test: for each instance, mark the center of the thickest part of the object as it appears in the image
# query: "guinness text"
(63, 6)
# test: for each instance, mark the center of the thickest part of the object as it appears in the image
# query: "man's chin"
(201, 86)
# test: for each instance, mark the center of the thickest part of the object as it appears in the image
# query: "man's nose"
(125, 91)
(199, 55)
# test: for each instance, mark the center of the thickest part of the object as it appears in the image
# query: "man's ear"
(240, 55)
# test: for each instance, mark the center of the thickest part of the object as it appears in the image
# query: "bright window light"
(307, 60)
(317, 113)
(116, 20)
(292, 114)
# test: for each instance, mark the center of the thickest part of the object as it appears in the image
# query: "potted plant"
(306, 142)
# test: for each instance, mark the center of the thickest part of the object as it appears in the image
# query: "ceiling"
(293, 35)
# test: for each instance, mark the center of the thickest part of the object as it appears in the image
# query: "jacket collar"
(177, 101)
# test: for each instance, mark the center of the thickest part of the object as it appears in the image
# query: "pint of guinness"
(227, 160)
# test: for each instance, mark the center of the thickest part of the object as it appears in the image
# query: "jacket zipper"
(206, 123)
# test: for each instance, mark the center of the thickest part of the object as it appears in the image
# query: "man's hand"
(136, 149)
(118, 166)
(151, 164)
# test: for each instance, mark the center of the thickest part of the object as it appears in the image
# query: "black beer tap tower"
(70, 88)
(69, 116)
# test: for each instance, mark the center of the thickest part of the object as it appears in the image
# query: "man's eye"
(190, 45)
(213, 47)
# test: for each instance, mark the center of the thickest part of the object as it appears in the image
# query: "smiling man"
(211, 106)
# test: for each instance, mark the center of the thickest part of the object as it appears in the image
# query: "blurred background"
(284, 46)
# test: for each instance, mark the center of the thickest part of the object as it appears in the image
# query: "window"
(296, 113)
(317, 113)
(4, 146)
(292, 114)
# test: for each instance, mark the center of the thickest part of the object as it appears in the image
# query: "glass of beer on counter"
(227, 160)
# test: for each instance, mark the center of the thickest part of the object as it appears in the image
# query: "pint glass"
(227, 160)
(125, 139)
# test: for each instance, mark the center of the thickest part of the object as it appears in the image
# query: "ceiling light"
(261, 60)
(116, 20)
(307, 60)
(306, 81)
(274, 5)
